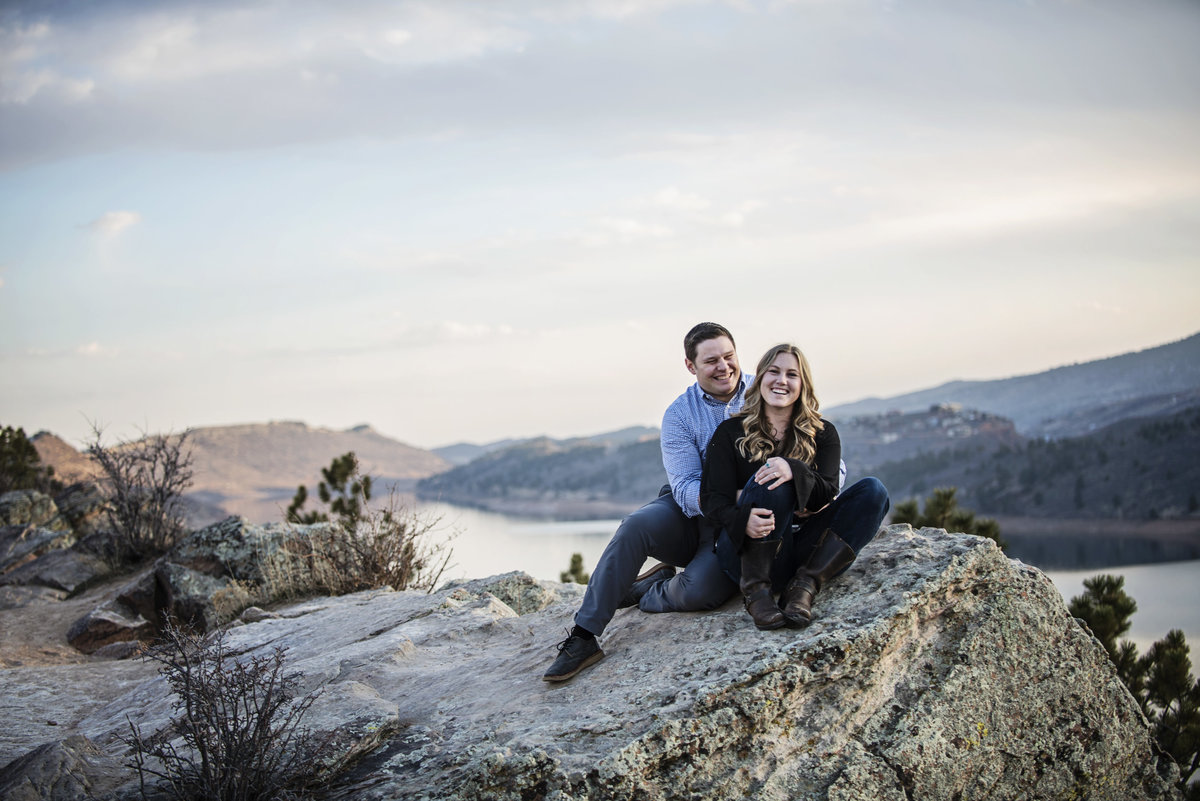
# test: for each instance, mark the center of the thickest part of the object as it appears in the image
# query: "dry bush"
(389, 546)
(393, 546)
(231, 599)
(239, 723)
(143, 483)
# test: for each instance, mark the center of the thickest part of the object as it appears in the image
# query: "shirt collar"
(737, 393)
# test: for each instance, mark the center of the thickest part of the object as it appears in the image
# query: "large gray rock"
(68, 569)
(30, 507)
(21, 544)
(935, 669)
(61, 771)
(108, 624)
(82, 506)
(44, 550)
(214, 573)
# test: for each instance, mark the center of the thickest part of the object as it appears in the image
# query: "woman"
(775, 462)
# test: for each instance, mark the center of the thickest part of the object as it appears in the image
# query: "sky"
(464, 221)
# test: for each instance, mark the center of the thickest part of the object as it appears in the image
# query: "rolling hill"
(254, 469)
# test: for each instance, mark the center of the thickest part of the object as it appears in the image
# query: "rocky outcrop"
(82, 506)
(66, 569)
(936, 668)
(109, 624)
(209, 577)
(62, 771)
(21, 544)
(30, 507)
(52, 542)
(77, 509)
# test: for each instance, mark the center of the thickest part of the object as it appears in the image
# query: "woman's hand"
(760, 523)
(775, 472)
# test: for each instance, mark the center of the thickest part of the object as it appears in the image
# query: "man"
(666, 528)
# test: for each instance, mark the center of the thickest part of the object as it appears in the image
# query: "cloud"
(89, 350)
(1095, 306)
(23, 73)
(93, 349)
(114, 222)
(197, 75)
(673, 198)
(737, 217)
(623, 231)
(446, 331)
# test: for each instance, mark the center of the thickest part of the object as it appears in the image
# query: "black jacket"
(726, 472)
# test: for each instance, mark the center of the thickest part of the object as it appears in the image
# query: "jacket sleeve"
(719, 485)
(817, 484)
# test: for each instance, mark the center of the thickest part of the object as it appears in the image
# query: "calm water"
(1168, 595)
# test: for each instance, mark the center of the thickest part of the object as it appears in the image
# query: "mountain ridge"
(1035, 401)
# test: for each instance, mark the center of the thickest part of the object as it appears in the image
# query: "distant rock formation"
(70, 464)
(936, 668)
(253, 469)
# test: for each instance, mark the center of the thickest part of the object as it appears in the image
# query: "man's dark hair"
(703, 332)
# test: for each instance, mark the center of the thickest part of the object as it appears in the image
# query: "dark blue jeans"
(662, 531)
(855, 516)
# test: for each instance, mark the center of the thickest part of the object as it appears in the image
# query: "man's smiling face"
(716, 368)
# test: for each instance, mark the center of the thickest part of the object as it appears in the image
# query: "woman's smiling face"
(780, 382)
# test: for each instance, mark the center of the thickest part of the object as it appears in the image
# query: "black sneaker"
(574, 654)
(644, 582)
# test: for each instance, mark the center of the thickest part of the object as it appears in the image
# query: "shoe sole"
(661, 566)
(771, 626)
(591, 660)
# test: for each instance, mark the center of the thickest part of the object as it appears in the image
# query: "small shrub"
(361, 549)
(575, 571)
(392, 546)
(233, 598)
(238, 736)
(143, 483)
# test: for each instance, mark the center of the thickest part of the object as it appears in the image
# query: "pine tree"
(20, 465)
(942, 511)
(1107, 609)
(575, 571)
(342, 489)
(1161, 681)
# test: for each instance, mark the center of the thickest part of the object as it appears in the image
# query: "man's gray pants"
(659, 530)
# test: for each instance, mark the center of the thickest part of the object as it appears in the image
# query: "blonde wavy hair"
(799, 442)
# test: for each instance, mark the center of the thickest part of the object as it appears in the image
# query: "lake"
(485, 544)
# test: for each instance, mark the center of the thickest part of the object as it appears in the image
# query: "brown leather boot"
(756, 583)
(827, 559)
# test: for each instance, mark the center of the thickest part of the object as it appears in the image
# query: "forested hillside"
(1069, 399)
(1136, 469)
(543, 471)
